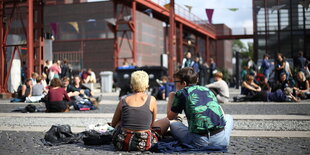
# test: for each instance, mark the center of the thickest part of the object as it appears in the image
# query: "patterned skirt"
(125, 140)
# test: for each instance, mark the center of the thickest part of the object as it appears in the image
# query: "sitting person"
(78, 87)
(262, 81)
(285, 95)
(81, 96)
(302, 87)
(249, 87)
(220, 88)
(282, 83)
(65, 85)
(134, 117)
(57, 98)
(23, 91)
(207, 124)
(163, 89)
(38, 91)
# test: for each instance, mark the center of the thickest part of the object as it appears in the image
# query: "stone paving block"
(29, 143)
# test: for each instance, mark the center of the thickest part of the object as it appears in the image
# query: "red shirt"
(58, 94)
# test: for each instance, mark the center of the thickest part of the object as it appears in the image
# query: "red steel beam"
(171, 41)
(159, 9)
(134, 21)
(30, 52)
(116, 49)
(180, 49)
(2, 46)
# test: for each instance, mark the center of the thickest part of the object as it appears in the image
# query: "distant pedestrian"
(279, 66)
(266, 66)
(301, 63)
(212, 68)
(187, 61)
(65, 69)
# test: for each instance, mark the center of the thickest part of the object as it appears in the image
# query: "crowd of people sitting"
(279, 83)
(58, 89)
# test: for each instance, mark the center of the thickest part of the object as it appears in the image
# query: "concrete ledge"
(5, 96)
(110, 115)
(255, 133)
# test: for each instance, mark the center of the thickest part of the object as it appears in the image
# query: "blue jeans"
(221, 139)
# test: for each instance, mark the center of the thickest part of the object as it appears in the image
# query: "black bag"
(93, 137)
(60, 134)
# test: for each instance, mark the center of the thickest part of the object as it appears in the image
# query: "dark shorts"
(125, 140)
(58, 106)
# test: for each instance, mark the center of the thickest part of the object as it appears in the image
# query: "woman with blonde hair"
(302, 86)
(135, 116)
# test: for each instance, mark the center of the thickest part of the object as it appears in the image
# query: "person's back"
(38, 89)
(199, 101)
(136, 113)
(207, 125)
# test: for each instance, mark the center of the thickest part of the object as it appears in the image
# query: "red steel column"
(116, 49)
(134, 42)
(30, 39)
(171, 63)
(180, 52)
(2, 55)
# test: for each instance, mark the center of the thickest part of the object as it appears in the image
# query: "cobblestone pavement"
(25, 142)
(12, 142)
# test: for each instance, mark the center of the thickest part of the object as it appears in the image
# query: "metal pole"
(30, 39)
(134, 42)
(2, 54)
(180, 53)
(115, 34)
(237, 70)
(171, 64)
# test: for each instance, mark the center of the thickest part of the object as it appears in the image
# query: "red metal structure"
(121, 20)
(124, 25)
(14, 10)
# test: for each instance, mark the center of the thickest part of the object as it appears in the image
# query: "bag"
(93, 137)
(133, 141)
(60, 134)
(51, 75)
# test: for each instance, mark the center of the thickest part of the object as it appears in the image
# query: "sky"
(242, 18)
(222, 14)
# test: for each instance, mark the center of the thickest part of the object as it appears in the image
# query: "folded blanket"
(175, 146)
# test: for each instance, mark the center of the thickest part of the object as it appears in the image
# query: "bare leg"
(163, 124)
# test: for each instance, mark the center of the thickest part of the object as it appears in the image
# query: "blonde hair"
(218, 74)
(303, 77)
(139, 81)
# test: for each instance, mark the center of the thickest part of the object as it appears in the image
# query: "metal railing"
(185, 13)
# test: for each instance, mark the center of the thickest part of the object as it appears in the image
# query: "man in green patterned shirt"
(207, 124)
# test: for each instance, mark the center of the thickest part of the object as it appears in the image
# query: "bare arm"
(153, 109)
(117, 115)
(171, 115)
(246, 85)
(170, 100)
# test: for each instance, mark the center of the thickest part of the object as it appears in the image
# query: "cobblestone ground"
(301, 108)
(12, 142)
(25, 142)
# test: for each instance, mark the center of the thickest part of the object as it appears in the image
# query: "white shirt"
(222, 86)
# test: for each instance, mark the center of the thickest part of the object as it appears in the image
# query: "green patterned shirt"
(201, 108)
